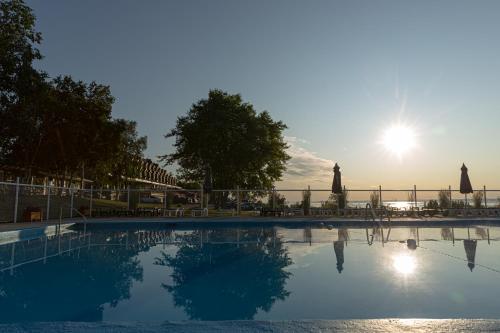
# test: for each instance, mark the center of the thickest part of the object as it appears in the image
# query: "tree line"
(58, 126)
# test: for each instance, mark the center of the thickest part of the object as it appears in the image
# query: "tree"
(242, 147)
(21, 86)
(124, 158)
(62, 126)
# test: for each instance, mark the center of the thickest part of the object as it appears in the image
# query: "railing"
(16, 198)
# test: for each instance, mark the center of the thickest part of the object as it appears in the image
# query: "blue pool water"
(271, 273)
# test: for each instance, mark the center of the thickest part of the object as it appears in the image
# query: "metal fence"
(27, 202)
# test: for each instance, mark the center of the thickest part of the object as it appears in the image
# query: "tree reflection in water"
(72, 286)
(217, 280)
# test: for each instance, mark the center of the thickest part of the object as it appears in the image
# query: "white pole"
(381, 204)
(451, 201)
(164, 203)
(128, 197)
(47, 215)
(201, 196)
(91, 199)
(238, 200)
(71, 204)
(485, 202)
(274, 198)
(16, 201)
(415, 194)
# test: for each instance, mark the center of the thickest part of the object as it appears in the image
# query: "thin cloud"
(305, 167)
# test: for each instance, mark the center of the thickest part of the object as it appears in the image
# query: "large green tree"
(241, 146)
(125, 156)
(62, 127)
(22, 87)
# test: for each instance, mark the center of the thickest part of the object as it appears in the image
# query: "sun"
(399, 139)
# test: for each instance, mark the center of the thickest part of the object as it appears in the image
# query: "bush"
(477, 199)
(374, 199)
(444, 199)
(276, 199)
(343, 198)
(432, 204)
(306, 201)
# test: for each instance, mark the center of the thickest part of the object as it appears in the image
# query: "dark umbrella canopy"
(337, 180)
(207, 184)
(465, 185)
(470, 252)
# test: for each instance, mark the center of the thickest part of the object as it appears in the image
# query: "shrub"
(444, 199)
(411, 197)
(306, 201)
(374, 199)
(278, 198)
(477, 199)
(457, 204)
(433, 204)
(329, 203)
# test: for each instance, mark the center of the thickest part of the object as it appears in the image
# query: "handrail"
(84, 219)
(79, 213)
(374, 215)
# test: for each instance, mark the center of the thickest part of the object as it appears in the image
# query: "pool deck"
(9, 229)
(14, 232)
(248, 326)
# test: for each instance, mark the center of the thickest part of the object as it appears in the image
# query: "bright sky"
(338, 73)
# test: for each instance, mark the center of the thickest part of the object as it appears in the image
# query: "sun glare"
(399, 139)
(404, 264)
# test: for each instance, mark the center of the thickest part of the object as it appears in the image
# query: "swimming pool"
(254, 273)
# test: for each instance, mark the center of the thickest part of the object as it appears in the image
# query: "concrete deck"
(14, 232)
(292, 326)
(194, 222)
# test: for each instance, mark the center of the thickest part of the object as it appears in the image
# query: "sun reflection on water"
(404, 264)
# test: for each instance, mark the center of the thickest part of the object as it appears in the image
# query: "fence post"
(16, 200)
(274, 198)
(71, 205)
(164, 203)
(47, 215)
(381, 203)
(451, 201)
(238, 200)
(485, 202)
(91, 198)
(128, 197)
(415, 195)
(201, 196)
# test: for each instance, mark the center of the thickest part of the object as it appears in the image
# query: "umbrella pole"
(465, 205)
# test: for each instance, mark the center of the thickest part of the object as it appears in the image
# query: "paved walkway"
(197, 221)
(250, 326)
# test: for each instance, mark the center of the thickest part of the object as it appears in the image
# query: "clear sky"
(338, 73)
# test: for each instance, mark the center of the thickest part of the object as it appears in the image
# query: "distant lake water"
(402, 204)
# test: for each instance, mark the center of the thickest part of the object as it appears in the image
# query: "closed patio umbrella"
(337, 187)
(470, 251)
(337, 181)
(465, 185)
